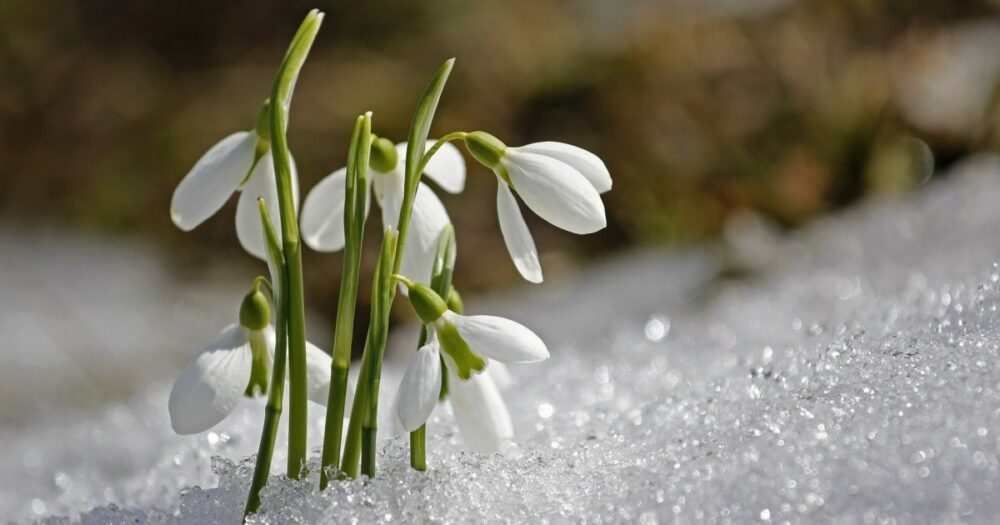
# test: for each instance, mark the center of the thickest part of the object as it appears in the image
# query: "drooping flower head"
(559, 182)
(236, 364)
(240, 162)
(322, 221)
(468, 344)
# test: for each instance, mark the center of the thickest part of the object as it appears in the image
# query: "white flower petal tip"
(420, 387)
(556, 191)
(499, 338)
(211, 383)
(516, 235)
(589, 165)
(322, 219)
(212, 180)
(480, 413)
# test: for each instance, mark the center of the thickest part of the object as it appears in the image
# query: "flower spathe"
(212, 383)
(322, 220)
(236, 163)
(560, 182)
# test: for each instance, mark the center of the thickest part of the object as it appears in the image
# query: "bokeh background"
(704, 110)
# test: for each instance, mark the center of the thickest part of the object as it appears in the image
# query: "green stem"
(352, 445)
(281, 95)
(379, 327)
(455, 135)
(356, 195)
(272, 412)
(272, 416)
(383, 292)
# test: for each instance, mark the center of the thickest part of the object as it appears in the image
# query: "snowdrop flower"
(238, 363)
(559, 182)
(468, 344)
(240, 162)
(322, 221)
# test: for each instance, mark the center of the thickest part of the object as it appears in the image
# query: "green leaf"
(421, 124)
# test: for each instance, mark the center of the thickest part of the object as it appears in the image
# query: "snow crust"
(851, 378)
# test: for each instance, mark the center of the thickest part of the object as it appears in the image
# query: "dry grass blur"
(702, 109)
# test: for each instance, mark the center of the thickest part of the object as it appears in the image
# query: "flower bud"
(485, 148)
(383, 155)
(255, 312)
(428, 305)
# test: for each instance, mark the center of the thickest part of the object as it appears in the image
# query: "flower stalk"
(281, 96)
(276, 391)
(356, 192)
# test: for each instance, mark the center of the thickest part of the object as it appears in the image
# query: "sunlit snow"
(851, 377)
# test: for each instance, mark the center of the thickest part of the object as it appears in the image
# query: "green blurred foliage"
(701, 109)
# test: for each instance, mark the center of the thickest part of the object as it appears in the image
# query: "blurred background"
(707, 112)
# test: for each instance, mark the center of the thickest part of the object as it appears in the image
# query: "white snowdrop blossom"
(238, 363)
(469, 344)
(560, 182)
(322, 220)
(240, 162)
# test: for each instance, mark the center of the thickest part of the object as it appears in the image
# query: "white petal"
(212, 180)
(323, 213)
(499, 373)
(211, 383)
(588, 164)
(555, 191)
(248, 226)
(499, 338)
(447, 168)
(428, 220)
(262, 183)
(516, 235)
(480, 413)
(318, 365)
(389, 193)
(418, 391)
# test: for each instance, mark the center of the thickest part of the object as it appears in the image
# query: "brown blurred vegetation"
(701, 109)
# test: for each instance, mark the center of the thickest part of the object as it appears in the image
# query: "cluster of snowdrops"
(459, 356)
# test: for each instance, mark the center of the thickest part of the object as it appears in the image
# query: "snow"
(849, 377)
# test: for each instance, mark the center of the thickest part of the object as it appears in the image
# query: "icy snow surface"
(853, 378)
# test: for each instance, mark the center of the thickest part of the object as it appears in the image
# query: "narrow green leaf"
(422, 119)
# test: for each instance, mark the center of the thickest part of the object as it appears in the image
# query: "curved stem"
(456, 135)
(281, 95)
